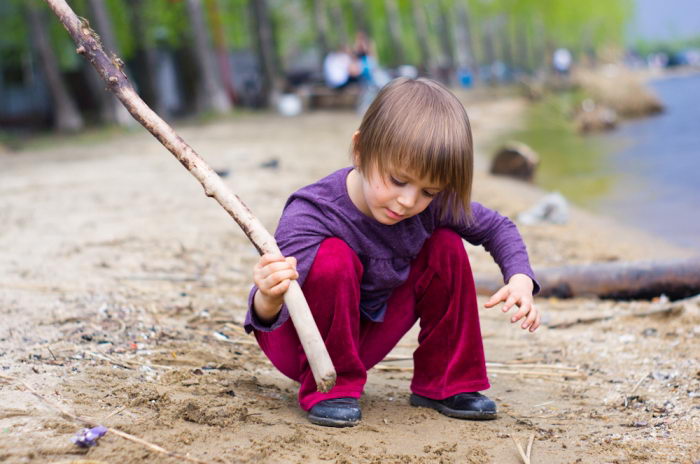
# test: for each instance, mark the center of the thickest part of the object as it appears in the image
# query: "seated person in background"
(340, 68)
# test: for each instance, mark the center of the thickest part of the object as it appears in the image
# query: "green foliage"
(14, 40)
(646, 47)
(582, 25)
(235, 17)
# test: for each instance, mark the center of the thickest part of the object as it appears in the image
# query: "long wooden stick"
(109, 67)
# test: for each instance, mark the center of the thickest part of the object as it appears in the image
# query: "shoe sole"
(327, 422)
(423, 402)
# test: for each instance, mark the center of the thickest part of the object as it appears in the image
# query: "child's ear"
(355, 151)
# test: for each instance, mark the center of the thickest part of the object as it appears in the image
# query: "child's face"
(396, 195)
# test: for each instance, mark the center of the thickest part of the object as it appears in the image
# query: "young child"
(377, 246)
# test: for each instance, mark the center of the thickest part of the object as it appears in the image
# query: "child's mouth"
(393, 215)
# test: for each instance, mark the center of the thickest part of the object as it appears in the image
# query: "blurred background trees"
(207, 56)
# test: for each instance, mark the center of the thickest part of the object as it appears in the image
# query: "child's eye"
(396, 181)
(428, 194)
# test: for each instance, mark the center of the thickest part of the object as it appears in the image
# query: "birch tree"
(210, 92)
(66, 116)
(266, 49)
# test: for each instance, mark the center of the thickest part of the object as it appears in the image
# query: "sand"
(123, 289)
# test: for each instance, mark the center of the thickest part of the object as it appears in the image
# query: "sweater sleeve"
(500, 237)
(299, 233)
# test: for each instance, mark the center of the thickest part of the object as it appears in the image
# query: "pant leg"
(440, 292)
(332, 289)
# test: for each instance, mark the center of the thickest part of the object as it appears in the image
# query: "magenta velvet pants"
(439, 292)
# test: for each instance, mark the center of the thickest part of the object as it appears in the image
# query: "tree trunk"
(421, 27)
(146, 60)
(222, 55)
(506, 41)
(522, 45)
(447, 44)
(110, 109)
(360, 16)
(321, 29)
(489, 53)
(210, 93)
(66, 116)
(266, 50)
(619, 281)
(465, 46)
(392, 15)
(339, 22)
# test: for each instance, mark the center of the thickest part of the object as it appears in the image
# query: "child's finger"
(531, 317)
(277, 266)
(536, 325)
(280, 288)
(292, 260)
(524, 309)
(268, 258)
(509, 303)
(497, 297)
(277, 277)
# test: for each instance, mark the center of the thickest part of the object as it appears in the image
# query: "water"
(657, 171)
(645, 174)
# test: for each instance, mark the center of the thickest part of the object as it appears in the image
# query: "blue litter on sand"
(88, 437)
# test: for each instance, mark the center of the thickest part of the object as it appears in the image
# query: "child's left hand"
(518, 292)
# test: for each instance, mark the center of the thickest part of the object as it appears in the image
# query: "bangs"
(419, 127)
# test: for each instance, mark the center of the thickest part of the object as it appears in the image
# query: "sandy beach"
(123, 289)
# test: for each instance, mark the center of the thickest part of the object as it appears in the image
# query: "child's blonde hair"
(419, 126)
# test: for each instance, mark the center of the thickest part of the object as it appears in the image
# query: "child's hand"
(518, 292)
(272, 274)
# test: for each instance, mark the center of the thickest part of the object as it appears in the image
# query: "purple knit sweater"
(324, 209)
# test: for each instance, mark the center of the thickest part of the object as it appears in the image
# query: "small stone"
(516, 160)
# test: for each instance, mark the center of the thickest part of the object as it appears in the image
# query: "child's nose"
(407, 199)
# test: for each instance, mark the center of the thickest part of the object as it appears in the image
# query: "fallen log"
(617, 281)
(109, 68)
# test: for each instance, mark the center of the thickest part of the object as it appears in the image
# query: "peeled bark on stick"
(109, 68)
(619, 281)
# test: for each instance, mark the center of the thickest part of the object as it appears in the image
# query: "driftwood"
(109, 68)
(619, 281)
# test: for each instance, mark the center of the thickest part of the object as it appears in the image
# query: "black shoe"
(337, 412)
(472, 406)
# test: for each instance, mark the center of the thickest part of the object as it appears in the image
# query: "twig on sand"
(524, 455)
(673, 310)
(639, 382)
(222, 338)
(528, 452)
(84, 420)
(525, 370)
(122, 364)
(126, 364)
(115, 412)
